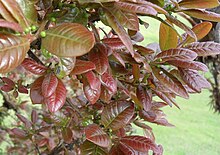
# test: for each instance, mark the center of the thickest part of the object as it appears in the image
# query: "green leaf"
(117, 114)
(202, 4)
(13, 50)
(68, 40)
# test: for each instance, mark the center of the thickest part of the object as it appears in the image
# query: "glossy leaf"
(170, 82)
(144, 97)
(98, 55)
(117, 27)
(36, 91)
(49, 84)
(109, 82)
(114, 43)
(11, 25)
(205, 48)
(194, 80)
(117, 114)
(33, 67)
(96, 135)
(56, 100)
(202, 14)
(166, 35)
(172, 54)
(204, 4)
(82, 66)
(89, 148)
(165, 97)
(13, 50)
(64, 41)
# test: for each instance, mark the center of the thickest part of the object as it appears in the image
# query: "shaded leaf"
(98, 55)
(205, 48)
(109, 82)
(11, 25)
(12, 51)
(64, 41)
(144, 97)
(67, 135)
(26, 122)
(19, 133)
(96, 135)
(114, 43)
(117, 114)
(89, 148)
(34, 116)
(33, 67)
(204, 4)
(36, 91)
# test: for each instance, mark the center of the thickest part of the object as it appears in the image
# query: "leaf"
(67, 135)
(168, 37)
(98, 55)
(11, 25)
(91, 87)
(33, 67)
(205, 48)
(109, 82)
(12, 51)
(82, 66)
(64, 41)
(49, 84)
(117, 27)
(137, 143)
(204, 4)
(115, 150)
(57, 99)
(114, 43)
(34, 116)
(189, 64)
(182, 26)
(149, 116)
(126, 19)
(8, 81)
(105, 95)
(170, 82)
(202, 14)
(165, 97)
(96, 135)
(201, 30)
(144, 97)
(19, 133)
(117, 114)
(96, 1)
(67, 64)
(194, 80)
(12, 12)
(173, 54)
(36, 91)
(89, 148)
(26, 122)
(135, 8)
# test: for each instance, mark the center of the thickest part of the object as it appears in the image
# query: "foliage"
(93, 87)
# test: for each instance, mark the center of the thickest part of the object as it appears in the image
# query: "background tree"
(92, 84)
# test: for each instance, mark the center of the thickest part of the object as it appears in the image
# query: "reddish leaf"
(67, 135)
(137, 143)
(98, 55)
(114, 43)
(115, 150)
(105, 95)
(136, 36)
(144, 97)
(10, 25)
(194, 80)
(56, 100)
(89, 148)
(92, 87)
(149, 116)
(96, 135)
(49, 84)
(8, 81)
(33, 67)
(205, 48)
(36, 91)
(26, 122)
(82, 66)
(18, 132)
(189, 64)
(22, 89)
(117, 114)
(170, 82)
(119, 58)
(174, 54)
(6, 88)
(34, 116)
(110, 83)
(202, 14)
(205, 4)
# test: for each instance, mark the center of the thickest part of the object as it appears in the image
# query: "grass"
(197, 128)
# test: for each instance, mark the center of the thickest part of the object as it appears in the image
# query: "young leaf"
(173, 54)
(89, 148)
(144, 97)
(67, 135)
(204, 4)
(56, 100)
(98, 55)
(205, 48)
(96, 135)
(19, 133)
(117, 114)
(114, 43)
(34, 116)
(33, 67)
(13, 50)
(109, 82)
(36, 91)
(82, 66)
(11, 25)
(26, 122)
(64, 41)
(49, 84)
(168, 37)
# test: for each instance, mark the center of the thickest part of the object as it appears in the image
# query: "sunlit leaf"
(49, 84)
(204, 4)
(11, 25)
(144, 97)
(82, 66)
(109, 82)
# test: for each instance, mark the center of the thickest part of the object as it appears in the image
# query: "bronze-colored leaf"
(89, 148)
(204, 4)
(13, 50)
(11, 25)
(82, 66)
